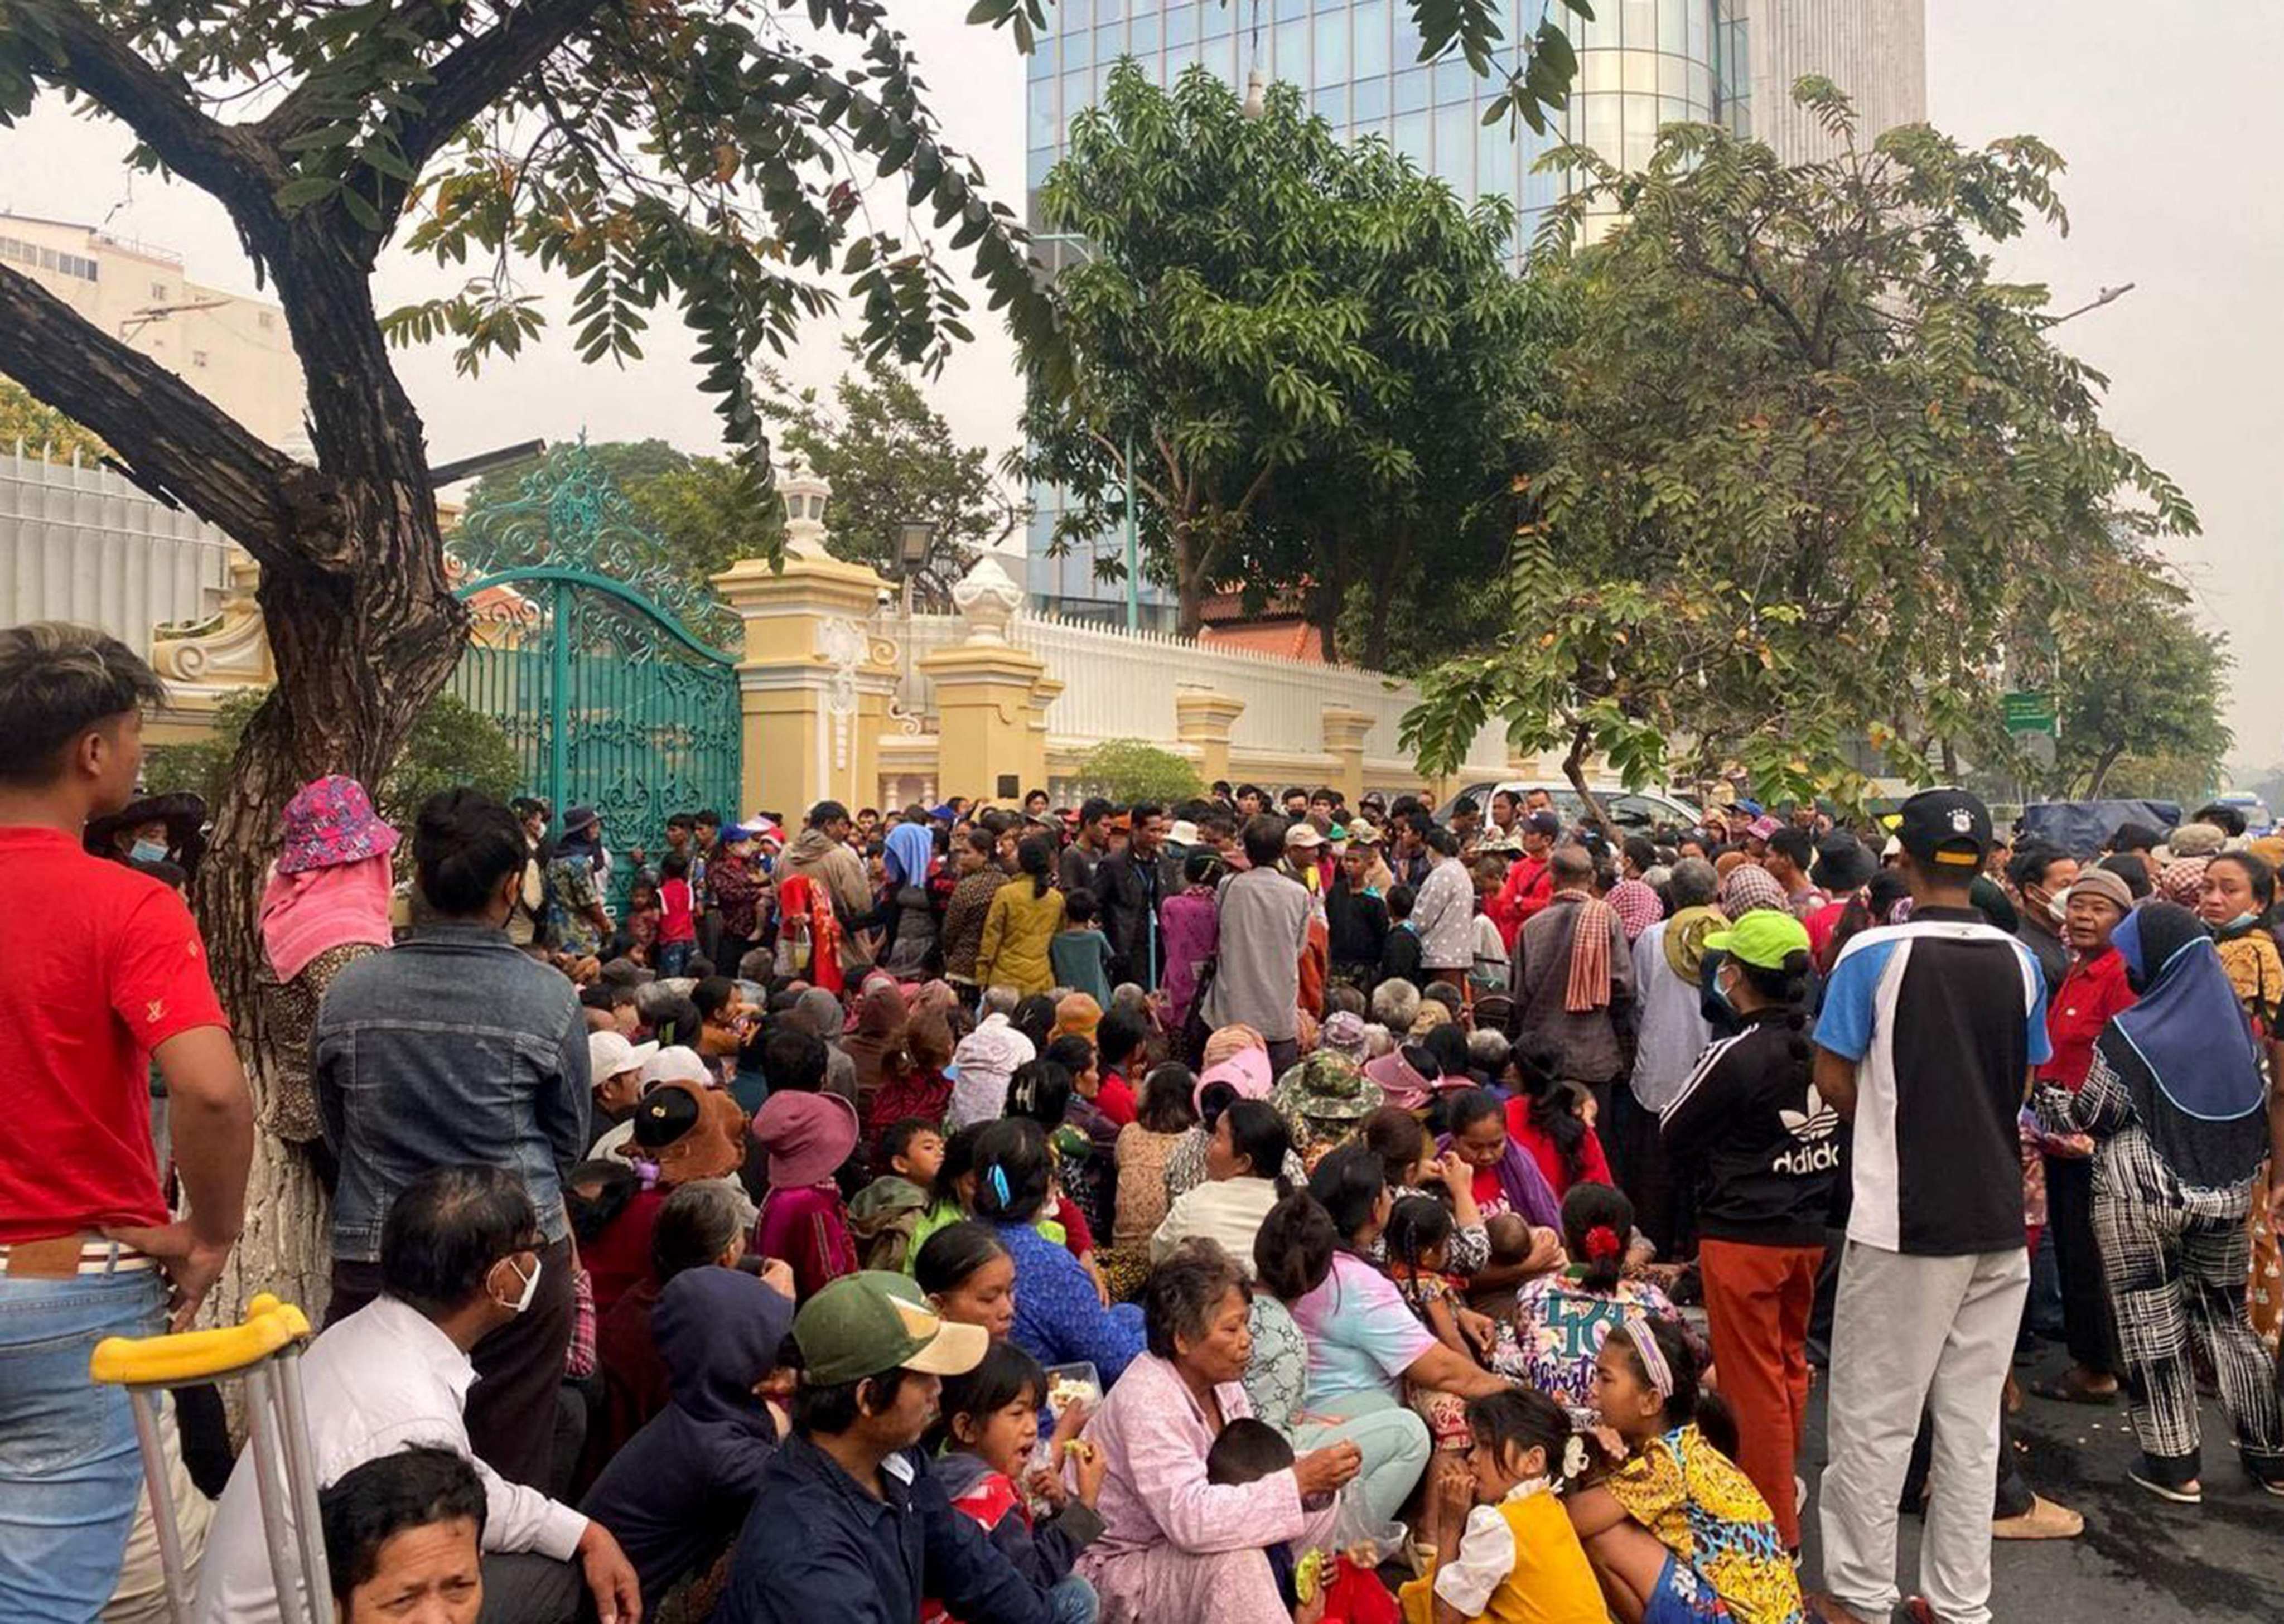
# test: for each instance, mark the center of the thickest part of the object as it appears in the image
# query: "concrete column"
(1345, 731)
(1203, 718)
(815, 682)
(990, 706)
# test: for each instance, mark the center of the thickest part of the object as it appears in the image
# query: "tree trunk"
(1189, 578)
(1387, 560)
(358, 652)
(1330, 593)
(2108, 760)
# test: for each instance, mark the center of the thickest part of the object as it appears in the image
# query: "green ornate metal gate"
(584, 654)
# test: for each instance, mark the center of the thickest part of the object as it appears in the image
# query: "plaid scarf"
(1588, 988)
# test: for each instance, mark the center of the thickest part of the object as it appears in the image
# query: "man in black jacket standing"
(1127, 885)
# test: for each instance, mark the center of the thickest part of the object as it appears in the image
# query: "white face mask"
(2057, 909)
(530, 1287)
(2240, 921)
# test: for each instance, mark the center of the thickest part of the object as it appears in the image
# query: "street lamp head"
(1256, 94)
(915, 538)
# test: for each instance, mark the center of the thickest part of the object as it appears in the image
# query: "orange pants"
(1757, 1299)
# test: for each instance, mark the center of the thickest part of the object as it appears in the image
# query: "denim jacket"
(452, 1047)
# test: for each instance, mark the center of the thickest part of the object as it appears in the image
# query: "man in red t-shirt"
(1529, 884)
(104, 972)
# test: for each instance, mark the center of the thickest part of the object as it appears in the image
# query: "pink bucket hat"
(1399, 1078)
(1246, 1070)
(807, 1136)
(331, 822)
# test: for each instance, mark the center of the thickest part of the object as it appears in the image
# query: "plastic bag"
(1358, 1533)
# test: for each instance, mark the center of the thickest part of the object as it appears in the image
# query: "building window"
(198, 357)
(267, 319)
(158, 290)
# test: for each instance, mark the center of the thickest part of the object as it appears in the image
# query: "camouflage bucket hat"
(1327, 1086)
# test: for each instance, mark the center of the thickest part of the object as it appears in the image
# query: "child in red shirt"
(990, 1420)
(678, 923)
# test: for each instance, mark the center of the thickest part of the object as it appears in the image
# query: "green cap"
(1764, 939)
(863, 1324)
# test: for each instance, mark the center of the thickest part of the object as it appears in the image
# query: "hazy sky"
(2167, 115)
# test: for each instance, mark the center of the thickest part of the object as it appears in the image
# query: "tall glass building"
(1641, 63)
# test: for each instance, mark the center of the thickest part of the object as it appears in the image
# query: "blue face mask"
(149, 851)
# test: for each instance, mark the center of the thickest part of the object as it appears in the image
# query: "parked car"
(1630, 811)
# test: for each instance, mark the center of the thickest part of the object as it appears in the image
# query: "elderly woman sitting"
(1176, 1546)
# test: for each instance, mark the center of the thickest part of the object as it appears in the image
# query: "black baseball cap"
(1947, 828)
(1544, 822)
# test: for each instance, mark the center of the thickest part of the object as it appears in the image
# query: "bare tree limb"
(187, 450)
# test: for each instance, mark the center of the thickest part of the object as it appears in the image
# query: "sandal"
(2070, 1388)
(2191, 1494)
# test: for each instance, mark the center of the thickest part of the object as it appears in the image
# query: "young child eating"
(989, 1419)
(1504, 1550)
(1676, 1532)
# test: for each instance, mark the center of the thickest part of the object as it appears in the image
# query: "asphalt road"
(2140, 1560)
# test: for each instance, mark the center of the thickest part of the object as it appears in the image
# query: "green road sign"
(2030, 713)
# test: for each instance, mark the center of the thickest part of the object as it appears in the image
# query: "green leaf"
(304, 190)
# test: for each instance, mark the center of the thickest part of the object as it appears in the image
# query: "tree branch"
(472, 77)
(187, 451)
(229, 163)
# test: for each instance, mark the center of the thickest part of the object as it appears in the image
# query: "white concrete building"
(1874, 49)
(232, 349)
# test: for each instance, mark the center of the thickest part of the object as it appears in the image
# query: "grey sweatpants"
(1908, 1332)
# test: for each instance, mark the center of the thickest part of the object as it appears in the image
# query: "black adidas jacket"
(1762, 1146)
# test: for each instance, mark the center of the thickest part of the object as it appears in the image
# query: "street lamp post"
(1133, 543)
(915, 539)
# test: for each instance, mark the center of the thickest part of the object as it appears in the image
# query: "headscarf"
(2186, 1053)
(2183, 880)
(1637, 906)
(1226, 1040)
(306, 914)
(910, 848)
(1589, 986)
(1076, 1014)
(981, 1066)
(1749, 885)
(881, 1017)
(1343, 1035)
(938, 997)
(819, 1011)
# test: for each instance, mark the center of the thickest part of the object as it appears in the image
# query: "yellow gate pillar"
(1203, 719)
(817, 675)
(1345, 731)
(991, 695)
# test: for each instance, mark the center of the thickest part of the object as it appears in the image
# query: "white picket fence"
(1121, 684)
(79, 542)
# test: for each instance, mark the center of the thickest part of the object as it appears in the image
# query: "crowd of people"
(1253, 1209)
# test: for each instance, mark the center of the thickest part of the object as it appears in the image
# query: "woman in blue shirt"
(1060, 1318)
